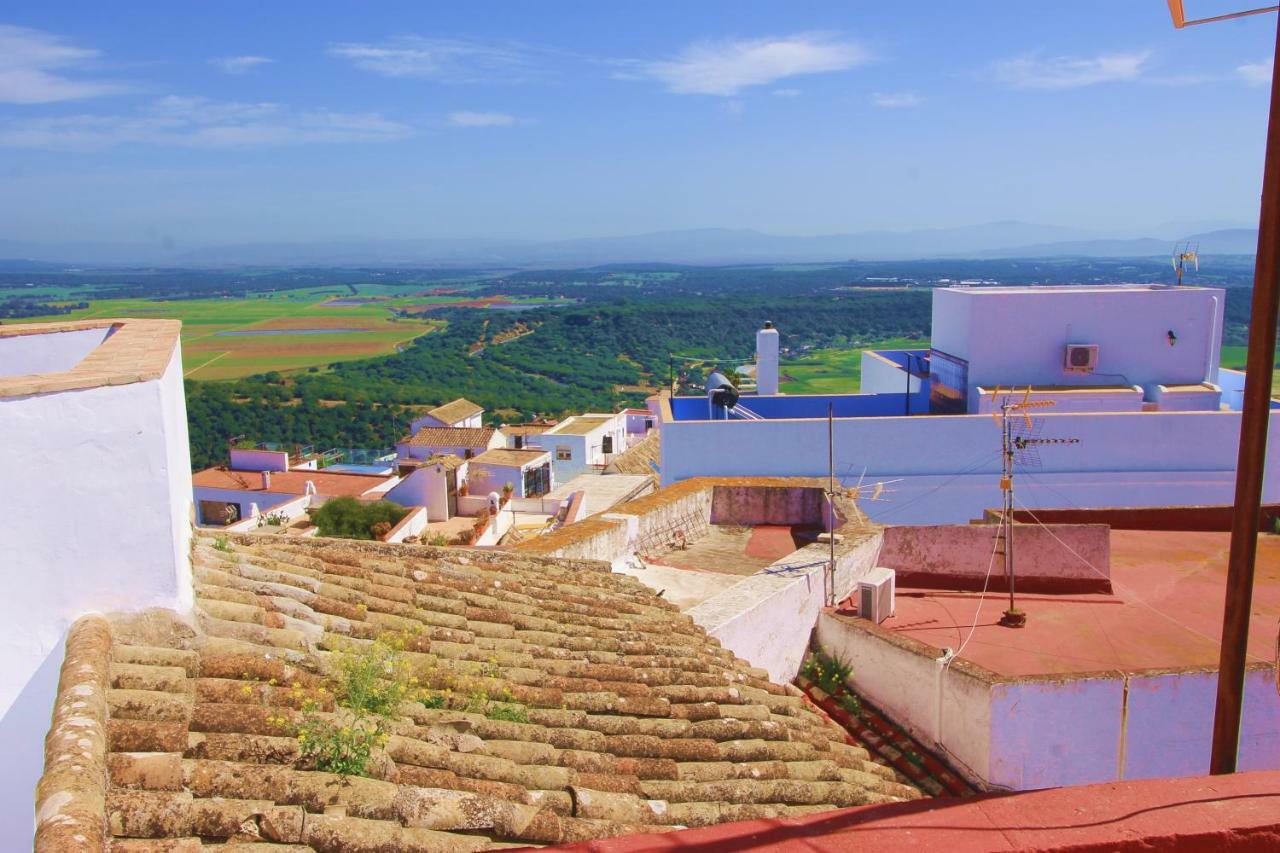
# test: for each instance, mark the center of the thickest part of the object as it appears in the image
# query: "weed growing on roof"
(508, 711)
(851, 704)
(341, 743)
(375, 678)
(829, 673)
(221, 543)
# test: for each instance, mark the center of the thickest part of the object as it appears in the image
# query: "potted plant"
(507, 489)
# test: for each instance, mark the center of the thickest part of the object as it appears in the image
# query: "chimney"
(767, 359)
(310, 488)
(266, 480)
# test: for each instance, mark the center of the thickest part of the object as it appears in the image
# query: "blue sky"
(246, 122)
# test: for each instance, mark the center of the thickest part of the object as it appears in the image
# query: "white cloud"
(446, 60)
(200, 123)
(1069, 72)
(892, 100)
(32, 63)
(465, 118)
(1255, 73)
(728, 66)
(239, 64)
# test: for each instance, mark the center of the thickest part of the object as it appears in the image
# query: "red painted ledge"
(1209, 814)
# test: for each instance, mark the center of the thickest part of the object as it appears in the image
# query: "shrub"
(352, 519)
(221, 543)
(508, 711)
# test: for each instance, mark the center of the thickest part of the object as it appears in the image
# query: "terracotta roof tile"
(429, 436)
(451, 413)
(634, 720)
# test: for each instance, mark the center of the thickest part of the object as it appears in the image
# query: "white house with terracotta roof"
(583, 443)
(463, 442)
(225, 496)
(459, 413)
(527, 471)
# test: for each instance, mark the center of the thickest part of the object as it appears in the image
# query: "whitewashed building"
(1141, 409)
(583, 443)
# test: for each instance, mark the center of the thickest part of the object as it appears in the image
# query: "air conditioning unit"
(1081, 358)
(875, 594)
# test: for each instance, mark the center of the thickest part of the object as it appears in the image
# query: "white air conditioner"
(875, 594)
(1081, 358)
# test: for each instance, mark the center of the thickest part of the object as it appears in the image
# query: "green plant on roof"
(221, 543)
(375, 678)
(511, 712)
(829, 673)
(340, 743)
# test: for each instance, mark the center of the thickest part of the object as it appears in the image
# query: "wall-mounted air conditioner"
(1081, 358)
(875, 594)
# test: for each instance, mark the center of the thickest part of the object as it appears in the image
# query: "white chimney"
(767, 359)
(310, 488)
(266, 480)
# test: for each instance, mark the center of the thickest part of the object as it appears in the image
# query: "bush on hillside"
(353, 519)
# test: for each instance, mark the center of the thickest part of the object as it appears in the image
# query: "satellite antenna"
(1190, 254)
(1019, 445)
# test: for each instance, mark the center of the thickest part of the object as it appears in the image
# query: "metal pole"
(831, 503)
(1253, 446)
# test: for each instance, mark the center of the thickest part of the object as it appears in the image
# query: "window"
(468, 453)
(564, 453)
(606, 445)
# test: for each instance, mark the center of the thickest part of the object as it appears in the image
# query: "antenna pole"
(831, 503)
(1013, 617)
(1254, 420)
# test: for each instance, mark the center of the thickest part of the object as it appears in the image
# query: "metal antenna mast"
(1016, 448)
(1190, 254)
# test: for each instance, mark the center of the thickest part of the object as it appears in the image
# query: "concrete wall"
(48, 353)
(411, 525)
(1045, 732)
(1232, 384)
(767, 618)
(97, 517)
(948, 708)
(264, 501)
(883, 372)
(949, 465)
(487, 477)
(751, 505)
(260, 460)
(1101, 400)
(958, 556)
(289, 509)
(1202, 399)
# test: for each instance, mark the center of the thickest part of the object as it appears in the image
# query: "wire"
(1129, 593)
(983, 459)
(995, 546)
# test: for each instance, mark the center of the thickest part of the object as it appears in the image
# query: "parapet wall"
(752, 505)
(959, 556)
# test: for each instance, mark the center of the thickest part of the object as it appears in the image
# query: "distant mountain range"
(1009, 239)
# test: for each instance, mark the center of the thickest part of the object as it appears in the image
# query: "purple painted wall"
(1048, 733)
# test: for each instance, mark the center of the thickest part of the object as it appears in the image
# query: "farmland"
(311, 328)
(833, 370)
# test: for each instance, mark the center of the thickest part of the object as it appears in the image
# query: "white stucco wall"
(948, 465)
(881, 376)
(767, 618)
(1018, 335)
(97, 517)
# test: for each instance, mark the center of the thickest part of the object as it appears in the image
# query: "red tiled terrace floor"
(1181, 575)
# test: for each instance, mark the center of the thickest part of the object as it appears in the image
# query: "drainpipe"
(1211, 362)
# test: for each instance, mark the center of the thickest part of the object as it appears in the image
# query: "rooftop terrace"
(1165, 613)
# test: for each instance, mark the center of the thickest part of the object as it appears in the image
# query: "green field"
(291, 330)
(837, 370)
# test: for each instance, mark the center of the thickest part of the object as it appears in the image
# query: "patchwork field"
(833, 371)
(226, 338)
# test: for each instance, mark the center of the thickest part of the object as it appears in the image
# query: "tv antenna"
(1190, 254)
(1020, 441)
